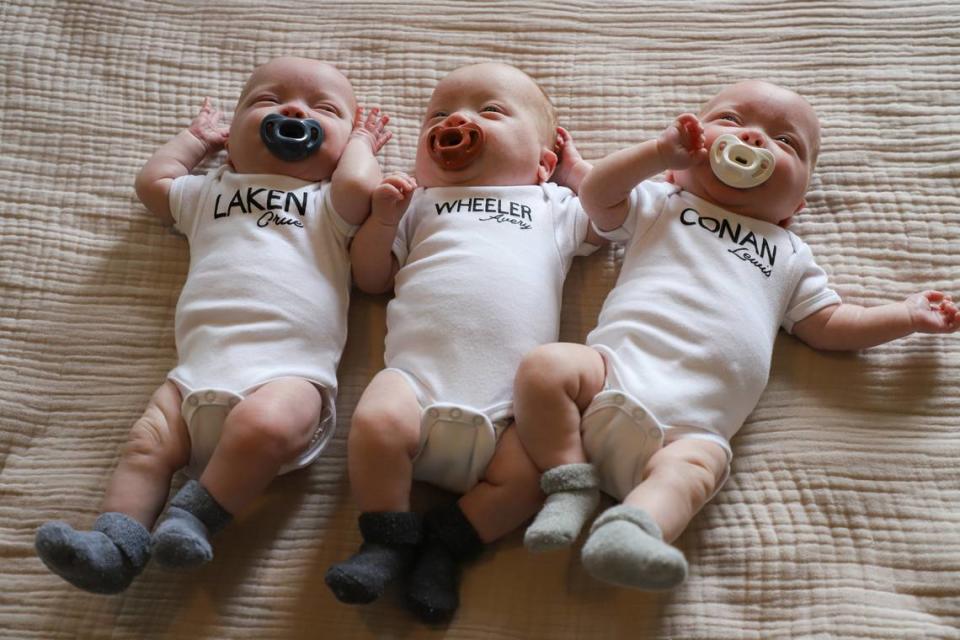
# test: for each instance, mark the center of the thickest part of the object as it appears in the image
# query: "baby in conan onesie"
(477, 256)
(681, 354)
(260, 323)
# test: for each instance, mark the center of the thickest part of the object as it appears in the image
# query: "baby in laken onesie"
(477, 256)
(681, 354)
(260, 323)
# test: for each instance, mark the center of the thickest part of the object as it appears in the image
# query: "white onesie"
(266, 296)
(687, 333)
(480, 284)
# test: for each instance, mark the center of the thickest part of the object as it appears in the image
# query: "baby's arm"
(371, 252)
(850, 327)
(358, 172)
(606, 189)
(204, 136)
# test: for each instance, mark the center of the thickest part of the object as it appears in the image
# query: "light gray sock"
(182, 539)
(626, 548)
(104, 560)
(572, 497)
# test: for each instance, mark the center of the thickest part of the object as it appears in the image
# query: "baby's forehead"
(768, 101)
(303, 74)
(488, 80)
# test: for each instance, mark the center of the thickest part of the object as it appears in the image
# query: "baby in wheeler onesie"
(477, 255)
(260, 323)
(681, 354)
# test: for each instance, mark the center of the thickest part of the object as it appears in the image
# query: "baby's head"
(770, 117)
(487, 124)
(296, 88)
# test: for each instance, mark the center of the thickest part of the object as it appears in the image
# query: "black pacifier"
(290, 139)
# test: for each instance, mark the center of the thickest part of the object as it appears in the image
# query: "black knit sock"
(433, 590)
(389, 542)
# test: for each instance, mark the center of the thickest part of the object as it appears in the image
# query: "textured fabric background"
(840, 518)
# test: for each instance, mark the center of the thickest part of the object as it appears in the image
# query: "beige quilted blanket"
(841, 517)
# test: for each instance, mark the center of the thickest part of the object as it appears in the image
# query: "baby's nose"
(455, 119)
(752, 137)
(293, 111)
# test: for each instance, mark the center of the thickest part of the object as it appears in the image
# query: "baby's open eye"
(787, 140)
(491, 108)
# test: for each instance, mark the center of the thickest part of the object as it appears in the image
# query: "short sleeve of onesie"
(186, 194)
(344, 228)
(572, 223)
(811, 293)
(401, 243)
(646, 202)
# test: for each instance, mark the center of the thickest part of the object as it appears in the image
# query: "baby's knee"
(267, 430)
(573, 370)
(383, 426)
(544, 369)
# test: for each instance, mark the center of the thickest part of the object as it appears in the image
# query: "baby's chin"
(430, 175)
(311, 170)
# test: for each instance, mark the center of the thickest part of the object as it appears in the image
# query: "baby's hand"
(207, 129)
(392, 197)
(372, 128)
(568, 157)
(683, 144)
(933, 312)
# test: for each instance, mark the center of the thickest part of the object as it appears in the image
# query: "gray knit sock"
(104, 560)
(572, 497)
(626, 547)
(182, 539)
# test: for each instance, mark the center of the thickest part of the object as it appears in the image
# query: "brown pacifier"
(454, 148)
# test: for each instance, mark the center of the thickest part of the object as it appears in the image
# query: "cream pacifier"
(455, 148)
(740, 165)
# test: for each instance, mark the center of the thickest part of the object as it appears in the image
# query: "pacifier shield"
(740, 165)
(290, 139)
(455, 148)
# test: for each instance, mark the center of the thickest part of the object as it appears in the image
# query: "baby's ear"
(548, 164)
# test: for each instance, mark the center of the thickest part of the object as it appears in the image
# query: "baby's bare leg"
(157, 446)
(508, 494)
(628, 544)
(677, 482)
(108, 558)
(384, 438)
(554, 385)
(269, 428)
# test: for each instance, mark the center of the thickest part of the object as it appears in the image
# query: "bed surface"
(840, 518)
